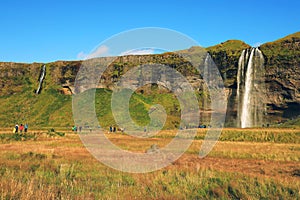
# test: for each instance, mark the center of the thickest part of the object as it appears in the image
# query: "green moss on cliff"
(226, 56)
(286, 49)
(231, 47)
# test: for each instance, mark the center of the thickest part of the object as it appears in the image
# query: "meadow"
(244, 164)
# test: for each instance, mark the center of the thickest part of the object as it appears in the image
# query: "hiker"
(74, 128)
(21, 128)
(110, 128)
(17, 128)
(25, 128)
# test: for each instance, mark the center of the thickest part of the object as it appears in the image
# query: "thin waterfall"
(41, 79)
(250, 89)
(206, 75)
(240, 84)
(206, 72)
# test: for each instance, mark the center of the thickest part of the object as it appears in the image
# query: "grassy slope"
(52, 109)
(283, 48)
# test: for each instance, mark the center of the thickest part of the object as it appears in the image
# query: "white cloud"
(99, 52)
(81, 55)
(257, 44)
(145, 51)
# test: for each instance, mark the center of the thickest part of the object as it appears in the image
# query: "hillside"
(53, 106)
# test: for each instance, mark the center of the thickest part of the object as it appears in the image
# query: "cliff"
(18, 82)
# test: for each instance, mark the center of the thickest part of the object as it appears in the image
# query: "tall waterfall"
(250, 88)
(240, 84)
(206, 76)
(41, 79)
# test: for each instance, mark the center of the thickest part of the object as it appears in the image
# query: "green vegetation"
(226, 56)
(231, 47)
(294, 123)
(9, 137)
(283, 55)
(53, 107)
(271, 135)
(139, 106)
(285, 49)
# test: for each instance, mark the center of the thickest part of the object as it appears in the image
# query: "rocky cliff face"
(282, 76)
(282, 64)
(226, 56)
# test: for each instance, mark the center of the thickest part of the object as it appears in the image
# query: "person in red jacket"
(21, 128)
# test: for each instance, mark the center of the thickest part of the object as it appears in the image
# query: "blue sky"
(46, 31)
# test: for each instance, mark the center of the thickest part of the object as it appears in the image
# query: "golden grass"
(62, 168)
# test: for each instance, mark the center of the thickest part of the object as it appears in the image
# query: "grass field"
(245, 164)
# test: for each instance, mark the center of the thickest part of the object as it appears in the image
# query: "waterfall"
(240, 86)
(41, 79)
(206, 71)
(250, 88)
(246, 120)
(206, 76)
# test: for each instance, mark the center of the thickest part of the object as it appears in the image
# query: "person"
(21, 128)
(110, 128)
(17, 128)
(74, 128)
(26, 128)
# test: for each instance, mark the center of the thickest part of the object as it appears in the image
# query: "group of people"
(20, 128)
(113, 129)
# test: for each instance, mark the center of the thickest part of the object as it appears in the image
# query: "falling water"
(240, 84)
(206, 75)
(42, 76)
(246, 120)
(250, 88)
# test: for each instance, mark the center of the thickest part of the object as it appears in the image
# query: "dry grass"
(54, 167)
